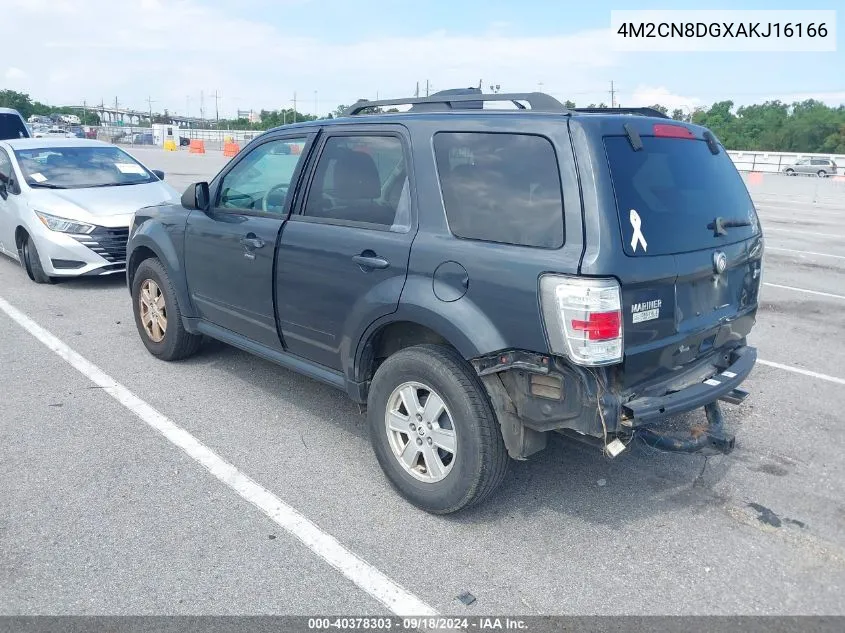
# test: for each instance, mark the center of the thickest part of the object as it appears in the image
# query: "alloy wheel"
(421, 432)
(153, 310)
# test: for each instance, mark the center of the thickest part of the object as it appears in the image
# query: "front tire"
(790, 172)
(434, 431)
(32, 263)
(158, 316)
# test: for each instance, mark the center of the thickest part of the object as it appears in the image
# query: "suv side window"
(12, 126)
(501, 187)
(261, 179)
(361, 179)
(820, 161)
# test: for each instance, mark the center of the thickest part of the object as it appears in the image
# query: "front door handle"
(251, 241)
(368, 259)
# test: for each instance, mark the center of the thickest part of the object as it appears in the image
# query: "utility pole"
(294, 107)
(187, 106)
(115, 109)
(426, 87)
(612, 95)
(216, 108)
(417, 91)
(84, 111)
(150, 104)
(202, 107)
(315, 105)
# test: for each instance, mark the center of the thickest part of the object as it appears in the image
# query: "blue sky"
(258, 53)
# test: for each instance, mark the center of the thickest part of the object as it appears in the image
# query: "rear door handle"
(252, 241)
(370, 261)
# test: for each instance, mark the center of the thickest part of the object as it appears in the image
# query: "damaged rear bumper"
(722, 385)
(534, 394)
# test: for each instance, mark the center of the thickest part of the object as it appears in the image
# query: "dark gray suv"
(12, 125)
(475, 278)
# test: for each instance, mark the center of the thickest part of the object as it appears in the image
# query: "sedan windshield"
(80, 167)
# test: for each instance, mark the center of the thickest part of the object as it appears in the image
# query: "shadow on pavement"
(568, 477)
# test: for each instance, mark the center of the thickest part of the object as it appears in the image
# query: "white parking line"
(792, 250)
(803, 372)
(812, 292)
(769, 228)
(400, 601)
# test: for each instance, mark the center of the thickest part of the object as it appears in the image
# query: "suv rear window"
(11, 126)
(501, 187)
(677, 188)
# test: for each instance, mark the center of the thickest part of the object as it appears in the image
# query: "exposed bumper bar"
(722, 386)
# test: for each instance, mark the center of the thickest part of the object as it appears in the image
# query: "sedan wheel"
(152, 310)
(421, 432)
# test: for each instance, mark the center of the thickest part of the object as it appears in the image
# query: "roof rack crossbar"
(640, 111)
(538, 101)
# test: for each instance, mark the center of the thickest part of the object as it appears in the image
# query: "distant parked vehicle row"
(821, 167)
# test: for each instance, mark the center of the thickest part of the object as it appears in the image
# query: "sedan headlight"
(63, 225)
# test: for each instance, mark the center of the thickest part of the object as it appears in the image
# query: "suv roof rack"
(471, 98)
(618, 110)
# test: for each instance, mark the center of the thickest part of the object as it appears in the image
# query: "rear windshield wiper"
(46, 185)
(720, 225)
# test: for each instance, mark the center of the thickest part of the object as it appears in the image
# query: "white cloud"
(644, 96)
(13, 74)
(169, 50)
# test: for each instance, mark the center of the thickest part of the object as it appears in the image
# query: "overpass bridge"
(109, 115)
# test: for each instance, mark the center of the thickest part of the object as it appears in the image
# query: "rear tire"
(32, 263)
(822, 173)
(428, 376)
(161, 328)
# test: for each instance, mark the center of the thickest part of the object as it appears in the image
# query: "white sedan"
(54, 133)
(66, 205)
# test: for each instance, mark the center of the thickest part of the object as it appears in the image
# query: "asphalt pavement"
(102, 514)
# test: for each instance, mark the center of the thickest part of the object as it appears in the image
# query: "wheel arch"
(146, 246)
(414, 326)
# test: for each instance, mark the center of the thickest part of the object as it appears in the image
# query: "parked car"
(12, 125)
(66, 205)
(476, 279)
(821, 167)
(54, 132)
(142, 138)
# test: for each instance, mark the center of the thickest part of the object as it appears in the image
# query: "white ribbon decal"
(636, 223)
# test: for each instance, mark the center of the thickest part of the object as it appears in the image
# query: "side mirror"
(159, 174)
(196, 196)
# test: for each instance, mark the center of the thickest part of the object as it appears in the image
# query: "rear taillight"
(583, 318)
